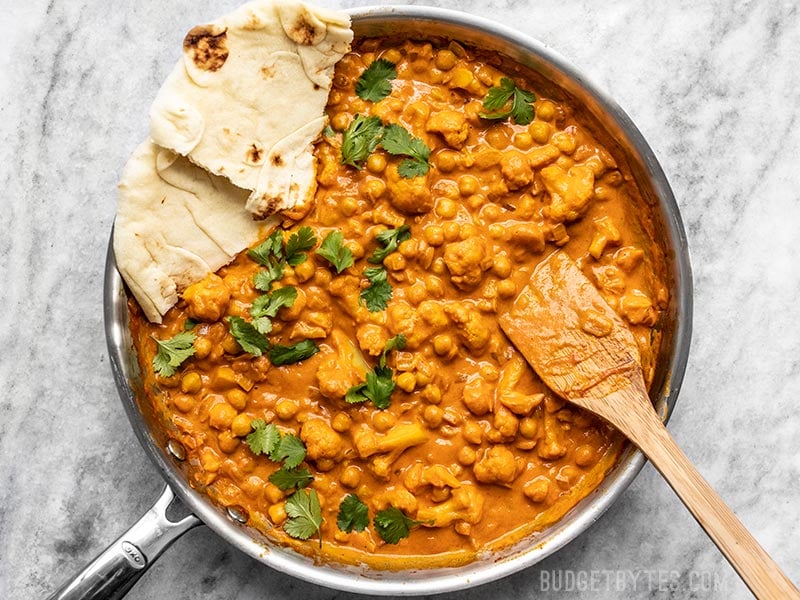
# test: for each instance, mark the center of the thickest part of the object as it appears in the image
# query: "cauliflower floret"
(477, 395)
(471, 326)
(516, 170)
(207, 300)
(418, 476)
(341, 369)
(465, 504)
(451, 125)
(637, 308)
(570, 191)
(397, 439)
(399, 497)
(321, 440)
(466, 261)
(372, 338)
(497, 465)
(508, 393)
(409, 195)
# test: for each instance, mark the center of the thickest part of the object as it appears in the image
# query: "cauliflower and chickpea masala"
(345, 383)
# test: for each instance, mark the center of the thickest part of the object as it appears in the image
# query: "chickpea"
(434, 286)
(463, 528)
(348, 206)
(305, 270)
(447, 160)
(237, 398)
(439, 267)
(537, 489)
(355, 247)
(341, 422)
(191, 383)
(472, 432)
(383, 420)
(340, 121)
(374, 189)
(468, 185)
(273, 493)
(445, 208)
(491, 212)
(584, 455)
(545, 110)
(240, 426)
(286, 409)
(564, 141)
(322, 277)
(489, 372)
(432, 393)
(432, 415)
(498, 136)
(467, 230)
(277, 513)
(442, 344)
(350, 477)
(451, 231)
(539, 131)
(183, 402)
(408, 248)
(496, 231)
(466, 456)
(392, 55)
(395, 262)
(416, 293)
(522, 140)
(475, 201)
(445, 60)
(202, 347)
(501, 266)
(376, 163)
(528, 427)
(227, 442)
(433, 235)
(506, 289)
(407, 382)
(221, 415)
(230, 345)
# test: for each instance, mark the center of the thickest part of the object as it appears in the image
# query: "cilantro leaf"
(390, 239)
(286, 478)
(335, 252)
(297, 243)
(379, 292)
(285, 355)
(263, 325)
(379, 385)
(268, 305)
(274, 272)
(375, 82)
(496, 101)
(189, 324)
(399, 142)
(328, 131)
(361, 137)
(264, 438)
(271, 247)
(172, 352)
(290, 449)
(393, 525)
(250, 339)
(353, 514)
(305, 515)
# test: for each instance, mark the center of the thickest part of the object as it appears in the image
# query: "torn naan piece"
(248, 98)
(175, 224)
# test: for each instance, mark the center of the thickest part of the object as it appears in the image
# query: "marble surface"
(712, 85)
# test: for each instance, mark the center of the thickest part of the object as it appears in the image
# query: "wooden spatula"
(586, 354)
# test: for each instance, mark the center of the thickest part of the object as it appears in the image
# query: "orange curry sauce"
(473, 443)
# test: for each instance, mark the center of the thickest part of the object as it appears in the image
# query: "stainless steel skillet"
(115, 571)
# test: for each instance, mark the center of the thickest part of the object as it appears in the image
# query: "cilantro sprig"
(390, 239)
(496, 103)
(286, 479)
(375, 82)
(285, 355)
(267, 439)
(172, 352)
(300, 241)
(379, 384)
(353, 514)
(335, 252)
(248, 336)
(273, 256)
(376, 296)
(397, 141)
(393, 525)
(360, 139)
(267, 306)
(304, 515)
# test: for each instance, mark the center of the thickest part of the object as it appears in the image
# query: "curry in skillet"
(344, 384)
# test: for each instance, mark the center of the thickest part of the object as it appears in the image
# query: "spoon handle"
(761, 574)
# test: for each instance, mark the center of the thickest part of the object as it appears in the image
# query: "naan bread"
(247, 99)
(175, 224)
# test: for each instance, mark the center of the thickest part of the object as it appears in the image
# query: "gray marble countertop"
(712, 85)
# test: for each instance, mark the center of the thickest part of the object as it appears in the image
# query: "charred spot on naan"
(305, 29)
(208, 46)
(255, 154)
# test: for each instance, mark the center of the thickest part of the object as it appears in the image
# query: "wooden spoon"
(584, 352)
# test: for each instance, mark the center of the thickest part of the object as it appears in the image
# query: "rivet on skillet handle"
(119, 567)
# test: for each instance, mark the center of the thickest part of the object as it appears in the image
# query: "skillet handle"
(114, 572)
